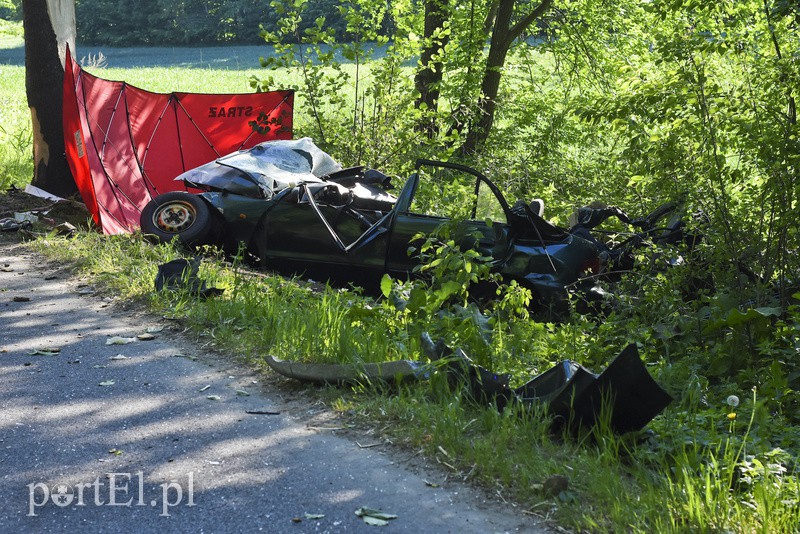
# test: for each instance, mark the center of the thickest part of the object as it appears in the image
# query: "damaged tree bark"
(49, 25)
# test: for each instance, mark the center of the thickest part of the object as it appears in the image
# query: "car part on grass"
(624, 396)
(182, 275)
(343, 374)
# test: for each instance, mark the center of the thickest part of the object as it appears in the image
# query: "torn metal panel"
(624, 395)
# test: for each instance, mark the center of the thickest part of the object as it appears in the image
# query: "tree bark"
(503, 36)
(430, 74)
(49, 25)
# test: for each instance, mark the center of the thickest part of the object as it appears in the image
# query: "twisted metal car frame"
(297, 210)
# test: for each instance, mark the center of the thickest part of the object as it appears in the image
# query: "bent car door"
(317, 223)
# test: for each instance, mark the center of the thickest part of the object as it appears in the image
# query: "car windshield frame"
(480, 178)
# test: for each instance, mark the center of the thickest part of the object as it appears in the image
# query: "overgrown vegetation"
(629, 103)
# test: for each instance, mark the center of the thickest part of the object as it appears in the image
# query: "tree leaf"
(386, 285)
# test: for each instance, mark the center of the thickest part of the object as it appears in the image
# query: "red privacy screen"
(126, 145)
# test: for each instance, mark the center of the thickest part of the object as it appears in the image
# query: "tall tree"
(49, 25)
(429, 76)
(504, 32)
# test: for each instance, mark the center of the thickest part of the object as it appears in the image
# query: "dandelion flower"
(733, 401)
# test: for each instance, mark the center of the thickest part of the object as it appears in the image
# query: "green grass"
(701, 470)
(11, 34)
(16, 152)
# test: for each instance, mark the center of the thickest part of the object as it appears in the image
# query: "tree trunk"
(503, 36)
(430, 74)
(49, 25)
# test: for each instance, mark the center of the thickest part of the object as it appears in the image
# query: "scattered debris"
(183, 274)
(119, 357)
(44, 352)
(262, 412)
(214, 397)
(205, 388)
(65, 229)
(574, 395)
(145, 337)
(118, 340)
(313, 516)
(107, 383)
(21, 299)
(8, 224)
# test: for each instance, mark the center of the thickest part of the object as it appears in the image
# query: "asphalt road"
(154, 435)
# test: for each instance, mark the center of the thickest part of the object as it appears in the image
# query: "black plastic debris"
(624, 394)
(182, 274)
(624, 391)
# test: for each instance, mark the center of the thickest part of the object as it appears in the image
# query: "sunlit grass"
(11, 34)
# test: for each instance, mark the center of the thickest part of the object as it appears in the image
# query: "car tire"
(178, 214)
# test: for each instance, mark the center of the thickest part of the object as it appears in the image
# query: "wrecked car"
(296, 209)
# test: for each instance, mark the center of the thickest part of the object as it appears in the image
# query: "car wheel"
(178, 214)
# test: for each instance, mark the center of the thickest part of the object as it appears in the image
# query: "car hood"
(265, 169)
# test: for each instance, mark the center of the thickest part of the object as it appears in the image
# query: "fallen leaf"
(314, 516)
(116, 452)
(374, 521)
(374, 517)
(107, 383)
(98, 367)
(21, 299)
(432, 484)
(154, 329)
(214, 397)
(117, 340)
(44, 352)
(242, 393)
(145, 337)
(119, 357)
(202, 389)
(262, 412)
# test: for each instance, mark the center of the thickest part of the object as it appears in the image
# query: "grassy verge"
(704, 465)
